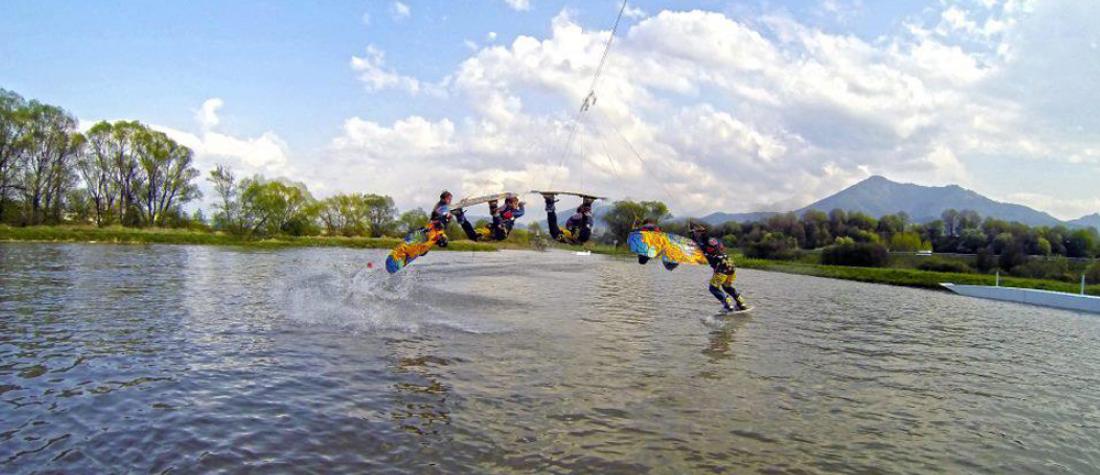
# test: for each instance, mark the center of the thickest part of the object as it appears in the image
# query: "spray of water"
(368, 299)
(358, 299)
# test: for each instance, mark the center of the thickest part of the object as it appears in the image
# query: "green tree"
(950, 219)
(1043, 247)
(773, 246)
(381, 214)
(1012, 255)
(907, 242)
(13, 125)
(275, 207)
(837, 220)
(891, 224)
(861, 221)
(626, 215)
(816, 229)
(113, 172)
(345, 215)
(969, 219)
(1081, 243)
(986, 261)
(50, 146)
(228, 214)
(166, 176)
(1092, 275)
(971, 240)
(412, 219)
(1002, 241)
(79, 206)
(847, 253)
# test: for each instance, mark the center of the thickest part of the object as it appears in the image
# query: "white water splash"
(370, 300)
(360, 299)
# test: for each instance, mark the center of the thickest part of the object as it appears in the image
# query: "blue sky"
(406, 98)
(282, 65)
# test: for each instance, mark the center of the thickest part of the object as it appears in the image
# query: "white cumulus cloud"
(519, 5)
(266, 153)
(376, 76)
(400, 11)
(711, 112)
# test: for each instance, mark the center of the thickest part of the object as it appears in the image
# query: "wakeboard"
(416, 244)
(672, 248)
(476, 200)
(728, 313)
(569, 193)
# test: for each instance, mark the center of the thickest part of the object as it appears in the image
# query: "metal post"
(1082, 284)
(998, 278)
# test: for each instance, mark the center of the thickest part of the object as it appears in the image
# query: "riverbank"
(890, 276)
(898, 276)
(908, 277)
(121, 235)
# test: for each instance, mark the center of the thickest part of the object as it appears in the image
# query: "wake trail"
(368, 300)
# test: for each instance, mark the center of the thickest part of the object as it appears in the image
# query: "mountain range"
(878, 195)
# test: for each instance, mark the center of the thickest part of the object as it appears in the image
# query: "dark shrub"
(937, 264)
(986, 261)
(1012, 255)
(860, 254)
(1054, 269)
(1092, 275)
(773, 246)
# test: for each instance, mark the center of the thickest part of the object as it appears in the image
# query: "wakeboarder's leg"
(727, 302)
(585, 232)
(552, 216)
(460, 216)
(737, 298)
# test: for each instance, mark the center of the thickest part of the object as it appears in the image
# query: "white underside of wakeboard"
(569, 193)
(476, 200)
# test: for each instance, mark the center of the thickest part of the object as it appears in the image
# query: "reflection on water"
(195, 359)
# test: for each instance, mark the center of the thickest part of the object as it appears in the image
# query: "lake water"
(198, 359)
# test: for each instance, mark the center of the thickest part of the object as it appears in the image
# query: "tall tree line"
(115, 173)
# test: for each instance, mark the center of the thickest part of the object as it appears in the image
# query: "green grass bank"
(121, 235)
(908, 277)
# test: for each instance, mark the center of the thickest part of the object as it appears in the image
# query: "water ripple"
(193, 359)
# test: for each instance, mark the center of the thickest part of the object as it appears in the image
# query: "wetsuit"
(441, 212)
(721, 283)
(503, 221)
(578, 228)
(440, 218)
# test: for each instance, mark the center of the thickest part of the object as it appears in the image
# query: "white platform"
(1045, 298)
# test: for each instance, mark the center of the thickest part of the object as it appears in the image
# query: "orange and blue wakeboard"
(416, 244)
(672, 248)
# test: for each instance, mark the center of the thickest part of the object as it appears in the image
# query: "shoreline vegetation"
(906, 277)
(909, 277)
(124, 235)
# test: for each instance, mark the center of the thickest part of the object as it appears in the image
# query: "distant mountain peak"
(878, 195)
(1087, 220)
